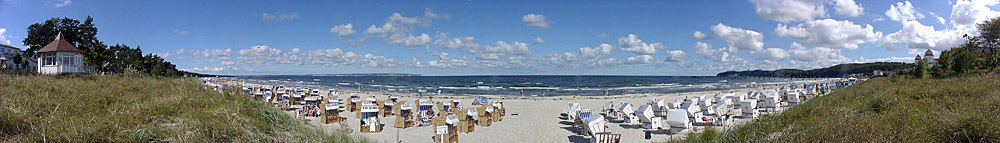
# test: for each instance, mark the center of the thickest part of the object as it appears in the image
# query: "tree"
(920, 70)
(944, 64)
(18, 60)
(82, 35)
(963, 61)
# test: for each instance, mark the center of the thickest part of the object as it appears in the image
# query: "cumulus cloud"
(503, 49)
(829, 32)
(919, 36)
(965, 14)
(848, 8)
(675, 56)
(343, 30)
(600, 51)
(739, 38)
(903, 11)
(443, 41)
(632, 43)
(800, 53)
(773, 54)
(3, 38)
(429, 13)
(410, 40)
(536, 20)
(259, 55)
(539, 41)
(706, 50)
(789, 10)
(701, 36)
(641, 59)
(279, 17)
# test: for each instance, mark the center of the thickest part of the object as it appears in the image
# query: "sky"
(536, 37)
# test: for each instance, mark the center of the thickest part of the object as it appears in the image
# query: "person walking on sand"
(522, 92)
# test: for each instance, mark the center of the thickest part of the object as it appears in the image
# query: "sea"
(529, 85)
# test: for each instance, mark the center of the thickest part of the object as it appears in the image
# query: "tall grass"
(960, 109)
(93, 108)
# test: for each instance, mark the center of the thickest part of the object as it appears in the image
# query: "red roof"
(59, 45)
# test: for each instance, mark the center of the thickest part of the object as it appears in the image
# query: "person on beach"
(522, 92)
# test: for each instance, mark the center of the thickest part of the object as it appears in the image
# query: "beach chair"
(595, 124)
(387, 108)
(606, 137)
(626, 111)
(609, 109)
(404, 117)
(749, 108)
(367, 104)
(445, 130)
(355, 104)
(484, 116)
(646, 116)
(369, 120)
(331, 113)
(571, 110)
(678, 120)
(312, 100)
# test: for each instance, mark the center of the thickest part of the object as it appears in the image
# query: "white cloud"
(800, 53)
(829, 32)
(701, 36)
(965, 14)
(224, 69)
(64, 3)
(343, 30)
(536, 20)
(400, 19)
(503, 49)
(887, 59)
(600, 51)
(279, 17)
(632, 43)
(939, 18)
(675, 56)
(443, 41)
(385, 30)
(602, 35)
(182, 32)
(789, 10)
(410, 40)
(429, 14)
(641, 59)
(3, 38)
(331, 57)
(739, 38)
(903, 11)
(774, 54)
(706, 50)
(539, 41)
(919, 36)
(259, 55)
(848, 8)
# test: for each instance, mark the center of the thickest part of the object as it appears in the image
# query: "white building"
(60, 57)
(7, 58)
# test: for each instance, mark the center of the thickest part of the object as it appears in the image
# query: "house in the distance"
(929, 57)
(60, 57)
(7, 58)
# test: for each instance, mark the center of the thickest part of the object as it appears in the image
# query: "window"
(49, 61)
(67, 61)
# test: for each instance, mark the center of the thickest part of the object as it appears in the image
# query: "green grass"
(959, 109)
(93, 108)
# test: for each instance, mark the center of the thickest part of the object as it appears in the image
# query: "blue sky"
(514, 37)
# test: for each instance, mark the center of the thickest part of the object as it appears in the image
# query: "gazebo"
(60, 57)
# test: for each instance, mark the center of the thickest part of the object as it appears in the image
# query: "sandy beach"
(528, 119)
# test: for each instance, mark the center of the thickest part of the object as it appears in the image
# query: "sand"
(538, 119)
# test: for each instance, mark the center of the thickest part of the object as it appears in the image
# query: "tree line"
(113, 59)
(840, 70)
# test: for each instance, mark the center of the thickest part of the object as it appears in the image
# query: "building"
(7, 58)
(60, 57)
(929, 57)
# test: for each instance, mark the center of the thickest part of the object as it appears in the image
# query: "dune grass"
(959, 109)
(94, 108)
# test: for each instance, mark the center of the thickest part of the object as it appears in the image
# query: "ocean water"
(508, 85)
